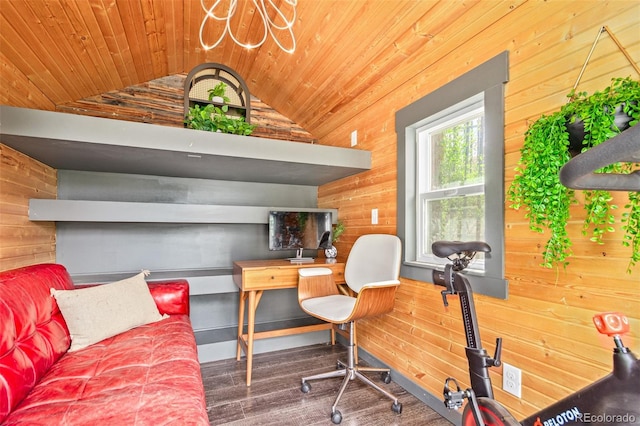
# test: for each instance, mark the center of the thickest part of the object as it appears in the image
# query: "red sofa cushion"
(33, 334)
(172, 297)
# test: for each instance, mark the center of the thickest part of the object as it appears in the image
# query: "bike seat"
(447, 248)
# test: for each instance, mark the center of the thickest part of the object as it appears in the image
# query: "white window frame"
(451, 116)
(486, 80)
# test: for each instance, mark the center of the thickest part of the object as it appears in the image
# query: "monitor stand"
(299, 258)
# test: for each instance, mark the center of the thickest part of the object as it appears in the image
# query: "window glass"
(451, 179)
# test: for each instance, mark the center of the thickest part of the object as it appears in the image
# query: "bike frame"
(479, 360)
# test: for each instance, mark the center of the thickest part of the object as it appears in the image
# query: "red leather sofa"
(148, 375)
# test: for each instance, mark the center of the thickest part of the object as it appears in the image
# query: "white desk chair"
(371, 273)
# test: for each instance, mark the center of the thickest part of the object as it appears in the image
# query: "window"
(451, 174)
(450, 188)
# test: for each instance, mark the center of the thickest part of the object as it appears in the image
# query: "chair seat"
(335, 308)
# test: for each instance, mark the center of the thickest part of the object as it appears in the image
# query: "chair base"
(351, 371)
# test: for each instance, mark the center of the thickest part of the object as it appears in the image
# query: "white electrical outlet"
(374, 216)
(354, 138)
(512, 379)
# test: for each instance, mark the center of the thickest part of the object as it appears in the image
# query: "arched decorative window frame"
(240, 88)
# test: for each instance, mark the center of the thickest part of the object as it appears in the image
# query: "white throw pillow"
(95, 313)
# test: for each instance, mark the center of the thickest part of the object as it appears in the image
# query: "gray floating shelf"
(76, 142)
(132, 212)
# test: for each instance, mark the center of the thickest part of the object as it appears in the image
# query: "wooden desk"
(253, 277)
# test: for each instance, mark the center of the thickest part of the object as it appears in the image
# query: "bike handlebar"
(579, 172)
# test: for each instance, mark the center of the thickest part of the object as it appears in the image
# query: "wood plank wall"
(546, 321)
(161, 101)
(23, 242)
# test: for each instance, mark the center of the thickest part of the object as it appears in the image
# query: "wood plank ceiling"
(350, 54)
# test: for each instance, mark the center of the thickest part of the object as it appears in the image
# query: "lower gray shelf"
(230, 334)
(206, 337)
(156, 275)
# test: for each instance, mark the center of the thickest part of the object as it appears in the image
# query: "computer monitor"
(293, 230)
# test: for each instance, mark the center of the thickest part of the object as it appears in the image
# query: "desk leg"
(251, 322)
(253, 297)
(243, 298)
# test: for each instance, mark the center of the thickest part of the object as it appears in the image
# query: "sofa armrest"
(171, 296)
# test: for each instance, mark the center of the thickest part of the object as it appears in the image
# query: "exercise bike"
(614, 399)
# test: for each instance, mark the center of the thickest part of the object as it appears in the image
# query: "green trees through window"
(451, 194)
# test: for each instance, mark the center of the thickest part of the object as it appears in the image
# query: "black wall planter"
(576, 129)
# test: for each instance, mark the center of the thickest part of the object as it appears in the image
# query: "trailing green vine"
(599, 216)
(213, 118)
(538, 189)
(631, 221)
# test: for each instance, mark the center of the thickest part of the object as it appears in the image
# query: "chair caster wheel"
(396, 407)
(386, 377)
(336, 417)
(305, 388)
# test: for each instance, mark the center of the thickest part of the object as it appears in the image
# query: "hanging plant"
(537, 188)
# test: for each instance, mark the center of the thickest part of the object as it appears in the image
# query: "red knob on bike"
(611, 323)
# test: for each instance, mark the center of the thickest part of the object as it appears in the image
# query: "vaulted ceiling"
(350, 53)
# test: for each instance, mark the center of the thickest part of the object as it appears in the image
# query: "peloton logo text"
(574, 415)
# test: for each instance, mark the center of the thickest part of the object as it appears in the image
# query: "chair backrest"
(373, 258)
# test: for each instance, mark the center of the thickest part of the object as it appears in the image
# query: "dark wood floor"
(274, 397)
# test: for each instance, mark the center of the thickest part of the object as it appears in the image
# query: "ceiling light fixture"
(218, 12)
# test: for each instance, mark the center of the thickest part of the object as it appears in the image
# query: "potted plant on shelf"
(218, 93)
(536, 186)
(214, 118)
